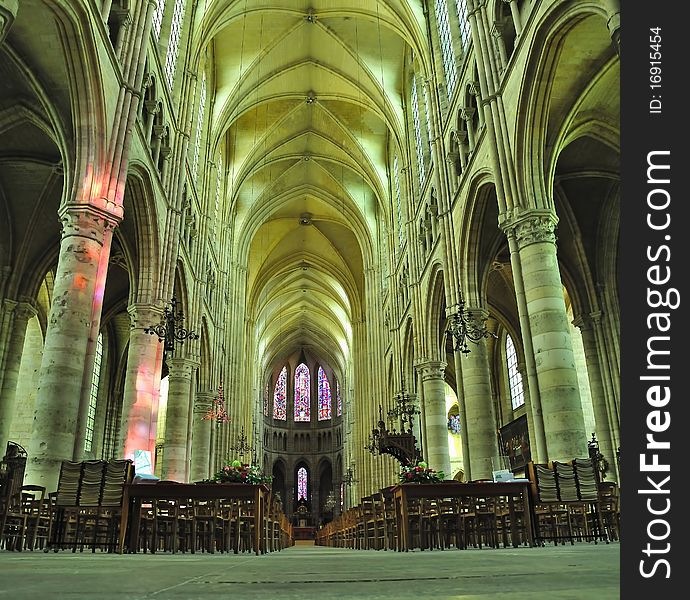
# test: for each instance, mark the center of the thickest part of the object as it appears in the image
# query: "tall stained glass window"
(93, 395)
(447, 53)
(324, 396)
(158, 18)
(517, 392)
(302, 393)
(174, 42)
(302, 489)
(338, 399)
(461, 6)
(417, 131)
(280, 396)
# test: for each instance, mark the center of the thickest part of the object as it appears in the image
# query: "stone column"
(553, 351)
(86, 237)
(601, 415)
(142, 382)
(201, 436)
(21, 312)
(175, 465)
(480, 415)
(436, 438)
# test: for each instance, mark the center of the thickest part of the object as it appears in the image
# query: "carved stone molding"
(533, 228)
(431, 369)
(8, 11)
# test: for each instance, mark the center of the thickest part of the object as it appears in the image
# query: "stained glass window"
(517, 392)
(93, 394)
(324, 396)
(279, 396)
(461, 6)
(302, 393)
(301, 484)
(174, 42)
(417, 131)
(446, 46)
(158, 18)
(338, 399)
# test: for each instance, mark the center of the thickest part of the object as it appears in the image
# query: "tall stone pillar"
(596, 385)
(142, 383)
(553, 350)
(201, 436)
(86, 236)
(433, 384)
(480, 415)
(175, 465)
(21, 312)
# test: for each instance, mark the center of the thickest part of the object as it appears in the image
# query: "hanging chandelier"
(217, 411)
(242, 447)
(465, 328)
(171, 329)
(349, 476)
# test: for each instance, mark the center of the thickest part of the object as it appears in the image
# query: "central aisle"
(306, 571)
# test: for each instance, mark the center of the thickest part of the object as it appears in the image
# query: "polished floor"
(565, 572)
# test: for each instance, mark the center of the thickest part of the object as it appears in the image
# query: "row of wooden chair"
(209, 526)
(432, 523)
(26, 519)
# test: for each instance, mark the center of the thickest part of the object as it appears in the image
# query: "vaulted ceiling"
(308, 105)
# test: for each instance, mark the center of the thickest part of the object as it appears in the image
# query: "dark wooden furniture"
(135, 494)
(517, 494)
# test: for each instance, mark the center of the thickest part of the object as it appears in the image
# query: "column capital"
(431, 369)
(144, 315)
(181, 367)
(25, 310)
(530, 227)
(87, 220)
(203, 402)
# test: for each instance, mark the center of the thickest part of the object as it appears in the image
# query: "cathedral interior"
(320, 199)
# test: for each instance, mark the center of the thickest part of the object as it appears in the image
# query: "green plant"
(420, 473)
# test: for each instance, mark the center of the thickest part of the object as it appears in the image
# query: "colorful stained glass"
(338, 399)
(302, 393)
(280, 396)
(324, 396)
(301, 484)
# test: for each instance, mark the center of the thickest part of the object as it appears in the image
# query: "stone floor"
(582, 571)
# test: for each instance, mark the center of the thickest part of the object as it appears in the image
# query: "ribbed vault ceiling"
(308, 103)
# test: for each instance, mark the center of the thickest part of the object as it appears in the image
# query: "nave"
(307, 571)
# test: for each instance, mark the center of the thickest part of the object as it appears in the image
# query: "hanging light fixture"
(217, 411)
(241, 448)
(171, 328)
(465, 328)
(349, 476)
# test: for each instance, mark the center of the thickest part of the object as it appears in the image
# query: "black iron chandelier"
(349, 476)
(404, 409)
(465, 328)
(171, 329)
(242, 447)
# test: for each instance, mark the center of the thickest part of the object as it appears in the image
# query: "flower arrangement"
(420, 473)
(239, 472)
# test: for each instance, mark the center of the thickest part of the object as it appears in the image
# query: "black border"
(643, 132)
